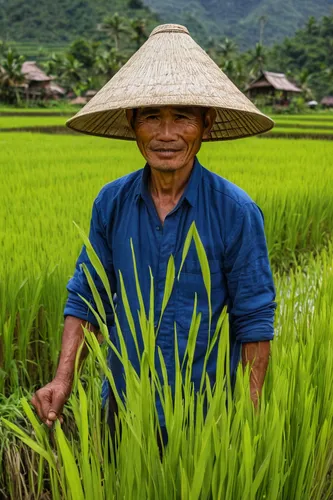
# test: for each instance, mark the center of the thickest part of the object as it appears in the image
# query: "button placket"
(167, 247)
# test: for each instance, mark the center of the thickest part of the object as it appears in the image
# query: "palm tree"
(108, 63)
(262, 22)
(235, 69)
(67, 69)
(72, 73)
(114, 26)
(304, 79)
(257, 60)
(11, 76)
(311, 26)
(54, 65)
(227, 48)
(140, 34)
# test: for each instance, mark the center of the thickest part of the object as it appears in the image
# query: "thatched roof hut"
(79, 100)
(90, 93)
(269, 83)
(39, 84)
(53, 89)
(327, 101)
(33, 73)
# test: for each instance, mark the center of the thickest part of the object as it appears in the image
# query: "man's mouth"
(166, 151)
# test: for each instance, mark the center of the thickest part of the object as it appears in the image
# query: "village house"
(327, 101)
(274, 86)
(38, 85)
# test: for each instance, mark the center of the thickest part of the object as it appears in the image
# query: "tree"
(114, 26)
(84, 51)
(262, 22)
(227, 48)
(139, 31)
(11, 76)
(236, 70)
(311, 26)
(54, 65)
(257, 59)
(70, 72)
(109, 62)
(304, 81)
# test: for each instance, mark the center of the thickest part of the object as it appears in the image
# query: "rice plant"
(218, 445)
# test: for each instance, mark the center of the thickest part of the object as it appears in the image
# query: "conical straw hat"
(170, 69)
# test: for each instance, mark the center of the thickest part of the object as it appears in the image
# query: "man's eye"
(151, 117)
(181, 117)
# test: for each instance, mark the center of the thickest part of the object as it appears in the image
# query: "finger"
(43, 402)
(33, 400)
(61, 419)
(48, 422)
(36, 403)
(57, 404)
(52, 416)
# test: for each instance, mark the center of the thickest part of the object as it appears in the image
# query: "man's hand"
(49, 401)
(256, 354)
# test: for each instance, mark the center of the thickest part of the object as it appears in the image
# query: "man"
(156, 206)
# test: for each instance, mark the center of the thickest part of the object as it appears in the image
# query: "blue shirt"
(231, 227)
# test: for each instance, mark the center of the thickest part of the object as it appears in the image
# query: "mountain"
(242, 20)
(58, 22)
(54, 24)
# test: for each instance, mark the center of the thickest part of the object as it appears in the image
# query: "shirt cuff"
(256, 326)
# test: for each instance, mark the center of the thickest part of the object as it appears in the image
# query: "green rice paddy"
(30, 121)
(283, 451)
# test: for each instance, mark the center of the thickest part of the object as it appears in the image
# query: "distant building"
(38, 85)
(90, 93)
(275, 86)
(83, 99)
(79, 100)
(327, 101)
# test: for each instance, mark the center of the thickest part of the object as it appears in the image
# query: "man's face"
(169, 137)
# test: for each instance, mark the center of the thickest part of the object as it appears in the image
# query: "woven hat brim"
(229, 124)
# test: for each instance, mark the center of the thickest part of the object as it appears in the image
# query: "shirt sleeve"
(78, 284)
(249, 278)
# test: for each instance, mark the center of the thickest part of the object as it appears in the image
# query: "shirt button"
(158, 228)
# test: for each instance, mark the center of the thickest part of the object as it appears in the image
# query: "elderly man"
(169, 103)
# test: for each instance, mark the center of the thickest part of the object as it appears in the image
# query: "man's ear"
(209, 120)
(130, 118)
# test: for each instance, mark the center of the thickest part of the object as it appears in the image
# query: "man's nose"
(166, 130)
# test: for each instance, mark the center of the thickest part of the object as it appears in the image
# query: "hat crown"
(169, 28)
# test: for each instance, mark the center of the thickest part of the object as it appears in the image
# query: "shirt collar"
(191, 188)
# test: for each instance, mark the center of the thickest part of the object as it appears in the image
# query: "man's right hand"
(50, 400)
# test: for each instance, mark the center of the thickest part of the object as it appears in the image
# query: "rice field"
(282, 451)
(315, 126)
(14, 122)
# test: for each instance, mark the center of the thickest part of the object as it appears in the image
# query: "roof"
(278, 81)
(33, 73)
(91, 93)
(327, 100)
(79, 100)
(54, 88)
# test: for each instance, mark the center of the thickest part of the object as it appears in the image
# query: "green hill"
(51, 25)
(243, 19)
(55, 24)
